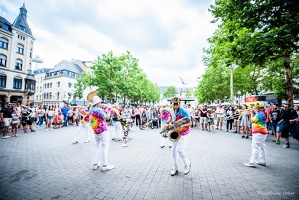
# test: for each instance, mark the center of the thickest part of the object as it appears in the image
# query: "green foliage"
(118, 78)
(260, 34)
(169, 92)
(188, 93)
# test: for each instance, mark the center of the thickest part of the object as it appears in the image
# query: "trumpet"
(169, 131)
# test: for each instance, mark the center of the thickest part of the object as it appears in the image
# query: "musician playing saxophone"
(178, 147)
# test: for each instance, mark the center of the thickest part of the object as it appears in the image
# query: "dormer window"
(22, 28)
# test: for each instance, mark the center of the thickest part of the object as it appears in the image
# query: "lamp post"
(239, 93)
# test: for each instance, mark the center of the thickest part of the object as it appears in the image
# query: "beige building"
(17, 83)
(56, 86)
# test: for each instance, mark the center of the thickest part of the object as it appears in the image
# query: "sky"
(166, 36)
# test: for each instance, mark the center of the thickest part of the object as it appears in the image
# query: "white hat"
(95, 100)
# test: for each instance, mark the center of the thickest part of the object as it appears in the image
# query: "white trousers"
(86, 128)
(117, 129)
(178, 149)
(101, 144)
(258, 145)
(164, 140)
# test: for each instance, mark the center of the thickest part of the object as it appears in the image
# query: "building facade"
(56, 86)
(17, 82)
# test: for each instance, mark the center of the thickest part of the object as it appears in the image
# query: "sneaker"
(277, 141)
(87, 141)
(243, 136)
(5, 137)
(249, 164)
(263, 164)
(286, 146)
(187, 169)
(170, 146)
(95, 166)
(113, 139)
(32, 130)
(51, 129)
(108, 167)
(75, 142)
(173, 172)
(47, 129)
(162, 146)
(124, 144)
(247, 137)
(273, 140)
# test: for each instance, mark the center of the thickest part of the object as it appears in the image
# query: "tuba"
(90, 95)
(170, 131)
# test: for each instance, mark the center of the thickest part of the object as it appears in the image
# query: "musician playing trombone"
(178, 147)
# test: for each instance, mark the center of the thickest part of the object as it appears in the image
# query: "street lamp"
(239, 93)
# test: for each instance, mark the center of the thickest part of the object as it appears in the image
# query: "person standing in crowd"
(229, 119)
(40, 114)
(26, 114)
(268, 111)
(49, 116)
(84, 126)
(244, 122)
(115, 115)
(178, 149)
(138, 112)
(210, 117)
(5, 113)
(220, 113)
(15, 115)
(274, 118)
(65, 111)
(165, 116)
(98, 123)
(196, 118)
(288, 121)
(33, 115)
(203, 117)
(259, 135)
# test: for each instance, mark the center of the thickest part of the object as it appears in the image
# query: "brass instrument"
(90, 95)
(239, 113)
(170, 131)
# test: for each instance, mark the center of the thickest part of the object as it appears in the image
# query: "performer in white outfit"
(178, 149)
(98, 123)
(84, 126)
(165, 116)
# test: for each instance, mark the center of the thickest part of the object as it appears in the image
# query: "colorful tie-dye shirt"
(85, 119)
(259, 123)
(98, 120)
(179, 115)
(165, 114)
(115, 114)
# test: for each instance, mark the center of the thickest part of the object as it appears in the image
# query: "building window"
(19, 64)
(3, 43)
(5, 27)
(44, 95)
(50, 95)
(17, 83)
(50, 85)
(45, 85)
(21, 37)
(3, 60)
(2, 81)
(22, 28)
(40, 89)
(58, 84)
(20, 49)
(70, 85)
(58, 95)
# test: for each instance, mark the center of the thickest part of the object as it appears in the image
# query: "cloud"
(166, 36)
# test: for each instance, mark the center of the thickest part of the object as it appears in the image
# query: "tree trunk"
(288, 78)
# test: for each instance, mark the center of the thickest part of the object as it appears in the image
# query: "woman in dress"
(244, 117)
(15, 115)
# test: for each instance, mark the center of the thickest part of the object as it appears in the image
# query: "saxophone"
(170, 131)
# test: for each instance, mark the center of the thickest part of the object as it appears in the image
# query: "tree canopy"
(118, 78)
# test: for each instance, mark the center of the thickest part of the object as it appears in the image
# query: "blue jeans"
(65, 120)
(40, 120)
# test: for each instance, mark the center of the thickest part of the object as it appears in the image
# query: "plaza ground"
(45, 165)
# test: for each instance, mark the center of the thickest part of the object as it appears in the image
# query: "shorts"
(211, 121)
(203, 120)
(276, 127)
(7, 121)
(196, 119)
(292, 129)
(26, 121)
(50, 117)
(220, 119)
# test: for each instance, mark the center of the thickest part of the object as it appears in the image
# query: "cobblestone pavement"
(45, 165)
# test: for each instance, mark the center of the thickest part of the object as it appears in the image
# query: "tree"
(188, 93)
(263, 30)
(169, 92)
